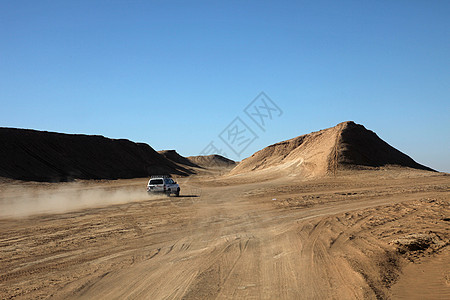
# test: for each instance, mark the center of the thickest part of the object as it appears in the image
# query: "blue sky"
(174, 74)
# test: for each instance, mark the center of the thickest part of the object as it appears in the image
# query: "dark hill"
(212, 161)
(47, 156)
(173, 156)
(358, 146)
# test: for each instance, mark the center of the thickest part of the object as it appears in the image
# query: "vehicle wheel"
(177, 194)
(168, 193)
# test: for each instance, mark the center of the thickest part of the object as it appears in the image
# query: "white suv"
(163, 184)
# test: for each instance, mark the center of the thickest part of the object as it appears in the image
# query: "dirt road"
(346, 237)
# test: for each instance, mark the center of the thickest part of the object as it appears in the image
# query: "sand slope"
(212, 161)
(345, 146)
(173, 156)
(201, 164)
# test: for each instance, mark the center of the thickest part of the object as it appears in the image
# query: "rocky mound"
(173, 156)
(212, 161)
(47, 156)
(345, 146)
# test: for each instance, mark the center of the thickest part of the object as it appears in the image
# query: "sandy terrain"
(365, 235)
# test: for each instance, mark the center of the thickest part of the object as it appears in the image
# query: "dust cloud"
(28, 201)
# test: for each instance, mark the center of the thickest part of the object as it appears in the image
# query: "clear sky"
(175, 74)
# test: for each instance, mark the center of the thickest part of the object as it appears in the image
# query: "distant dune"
(47, 156)
(345, 146)
(212, 161)
(173, 156)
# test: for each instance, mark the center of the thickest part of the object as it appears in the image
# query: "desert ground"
(376, 234)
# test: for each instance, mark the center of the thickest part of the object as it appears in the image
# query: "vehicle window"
(156, 181)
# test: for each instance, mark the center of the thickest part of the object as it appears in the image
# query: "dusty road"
(347, 237)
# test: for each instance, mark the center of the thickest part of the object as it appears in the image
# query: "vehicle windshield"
(156, 181)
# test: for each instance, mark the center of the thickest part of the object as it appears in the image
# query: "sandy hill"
(212, 161)
(47, 156)
(345, 146)
(177, 158)
(202, 164)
